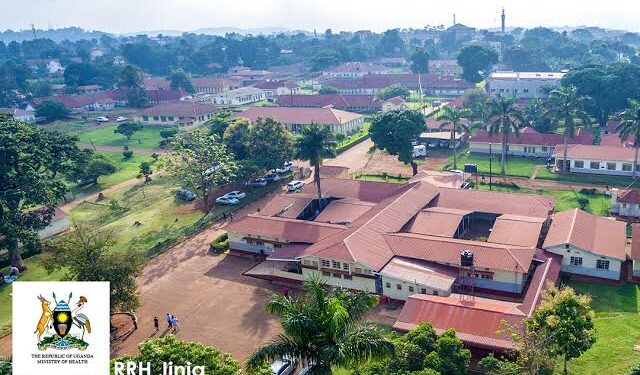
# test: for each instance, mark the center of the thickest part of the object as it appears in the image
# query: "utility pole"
(490, 164)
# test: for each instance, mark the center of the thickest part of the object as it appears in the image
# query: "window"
(399, 286)
(435, 293)
(578, 164)
(314, 264)
(325, 263)
(611, 166)
(347, 277)
(156, 118)
(525, 90)
(411, 289)
(423, 291)
(335, 264)
(357, 270)
(576, 261)
(388, 285)
(145, 118)
(337, 275)
(325, 273)
(602, 264)
(626, 167)
(306, 262)
(544, 149)
(163, 118)
(637, 167)
(345, 266)
(594, 165)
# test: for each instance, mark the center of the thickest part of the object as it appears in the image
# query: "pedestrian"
(134, 320)
(156, 324)
(169, 320)
(224, 216)
(175, 324)
(231, 216)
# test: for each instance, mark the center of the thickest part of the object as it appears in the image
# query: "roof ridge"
(289, 220)
(571, 227)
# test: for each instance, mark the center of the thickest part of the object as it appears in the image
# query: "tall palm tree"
(323, 327)
(505, 118)
(315, 143)
(564, 105)
(630, 126)
(453, 116)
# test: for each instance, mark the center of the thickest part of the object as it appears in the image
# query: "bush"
(5, 368)
(586, 191)
(635, 370)
(220, 244)
(128, 154)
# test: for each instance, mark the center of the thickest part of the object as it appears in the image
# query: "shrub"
(220, 244)
(586, 191)
(128, 154)
(635, 370)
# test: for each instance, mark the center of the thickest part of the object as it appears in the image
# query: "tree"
(454, 118)
(270, 144)
(449, 356)
(51, 110)
(201, 162)
(393, 91)
(635, 370)
(181, 80)
(219, 123)
(146, 171)
(314, 144)
(167, 349)
(567, 317)
(491, 365)
(477, 102)
(89, 166)
(476, 61)
(30, 158)
(328, 90)
(565, 106)
(128, 129)
(131, 79)
(237, 139)
(630, 126)
(394, 131)
(505, 119)
(86, 254)
(39, 89)
(324, 327)
(419, 60)
(533, 112)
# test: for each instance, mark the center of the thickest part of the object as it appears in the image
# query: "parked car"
(286, 168)
(283, 367)
(122, 119)
(235, 194)
(227, 200)
(102, 119)
(295, 185)
(271, 177)
(419, 151)
(186, 195)
(258, 182)
(307, 369)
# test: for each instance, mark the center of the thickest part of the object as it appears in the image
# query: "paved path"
(5, 346)
(354, 158)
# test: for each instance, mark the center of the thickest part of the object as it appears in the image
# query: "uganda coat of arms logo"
(62, 325)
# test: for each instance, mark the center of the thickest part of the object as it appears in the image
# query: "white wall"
(589, 259)
(603, 166)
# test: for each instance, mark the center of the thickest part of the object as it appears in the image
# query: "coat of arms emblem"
(54, 329)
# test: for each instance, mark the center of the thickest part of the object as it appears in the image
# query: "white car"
(283, 367)
(102, 119)
(227, 200)
(122, 119)
(235, 194)
(286, 167)
(295, 185)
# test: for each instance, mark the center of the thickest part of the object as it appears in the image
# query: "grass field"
(516, 166)
(544, 174)
(148, 137)
(617, 322)
(599, 204)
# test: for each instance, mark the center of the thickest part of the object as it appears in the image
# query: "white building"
(240, 96)
(524, 85)
(616, 161)
(625, 202)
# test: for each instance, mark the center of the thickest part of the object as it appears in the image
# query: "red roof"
(332, 170)
(629, 196)
(635, 241)
(272, 84)
(285, 229)
(82, 100)
(368, 191)
(160, 96)
(529, 138)
(357, 67)
(343, 211)
(214, 82)
(613, 140)
(495, 202)
(179, 109)
(380, 81)
(593, 152)
(295, 115)
(324, 100)
(476, 320)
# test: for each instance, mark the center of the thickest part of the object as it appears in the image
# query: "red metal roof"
(529, 138)
(495, 202)
(635, 241)
(629, 196)
(368, 191)
(296, 115)
(286, 205)
(441, 224)
(344, 210)
(593, 152)
(380, 81)
(286, 229)
(335, 100)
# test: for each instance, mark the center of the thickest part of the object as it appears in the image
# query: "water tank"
(466, 258)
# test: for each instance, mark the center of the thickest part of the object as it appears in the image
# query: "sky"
(125, 16)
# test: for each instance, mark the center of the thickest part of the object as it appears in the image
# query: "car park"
(185, 195)
(122, 119)
(235, 194)
(283, 367)
(258, 182)
(295, 185)
(272, 177)
(227, 200)
(102, 119)
(286, 168)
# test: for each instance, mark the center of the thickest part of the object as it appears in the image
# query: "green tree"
(200, 161)
(270, 144)
(635, 370)
(237, 138)
(146, 171)
(315, 144)
(477, 101)
(30, 158)
(454, 118)
(89, 166)
(323, 327)
(476, 61)
(40, 89)
(491, 365)
(180, 80)
(393, 91)
(505, 119)
(219, 123)
(533, 112)
(168, 349)
(328, 90)
(52, 110)
(131, 79)
(394, 131)
(568, 319)
(5, 368)
(86, 254)
(419, 60)
(449, 356)
(565, 107)
(127, 129)
(630, 126)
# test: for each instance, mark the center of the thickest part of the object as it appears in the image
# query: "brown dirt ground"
(381, 162)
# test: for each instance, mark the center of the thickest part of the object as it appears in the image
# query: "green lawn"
(617, 322)
(599, 204)
(545, 174)
(35, 272)
(148, 137)
(380, 178)
(354, 138)
(516, 166)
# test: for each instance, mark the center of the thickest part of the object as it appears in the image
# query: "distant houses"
(239, 96)
(20, 114)
(296, 118)
(181, 114)
(591, 159)
(353, 103)
(530, 143)
(522, 85)
(625, 202)
(372, 84)
(355, 70)
(274, 87)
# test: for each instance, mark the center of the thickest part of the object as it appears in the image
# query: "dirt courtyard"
(381, 162)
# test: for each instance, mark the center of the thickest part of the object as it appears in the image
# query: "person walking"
(231, 216)
(156, 324)
(176, 327)
(169, 320)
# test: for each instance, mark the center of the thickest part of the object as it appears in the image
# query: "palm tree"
(505, 118)
(453, 116)
(630, 126)
(314, 144)
(564, 105)
(323, 327)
